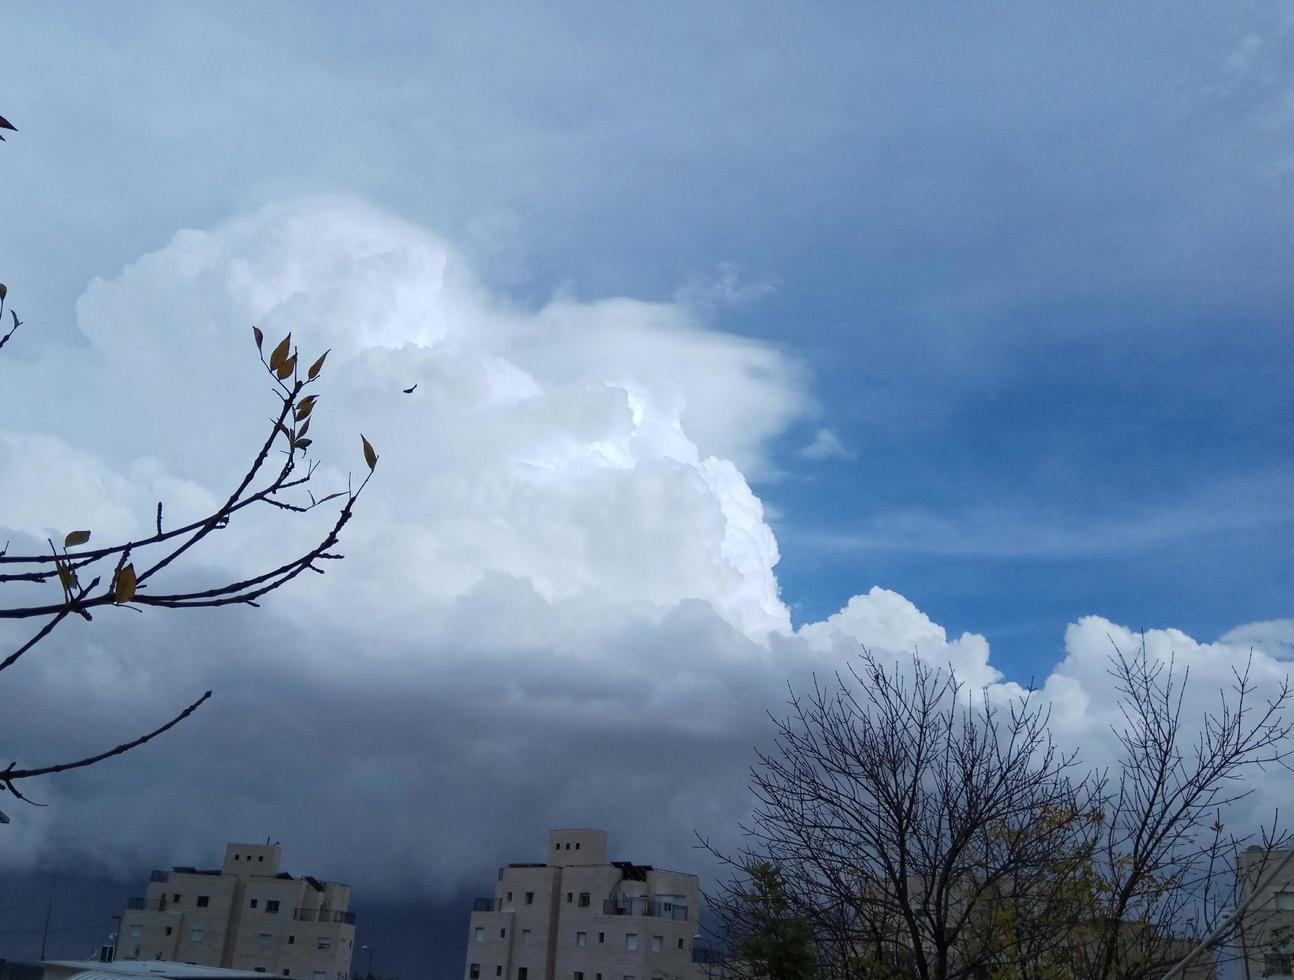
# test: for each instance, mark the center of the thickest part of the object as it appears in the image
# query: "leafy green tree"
(779, 944)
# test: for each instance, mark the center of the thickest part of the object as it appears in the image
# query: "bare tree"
(1165, 864)
(76, 578)
(894, 809)
(929, 836)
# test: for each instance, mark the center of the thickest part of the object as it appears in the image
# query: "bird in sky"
(408, 391)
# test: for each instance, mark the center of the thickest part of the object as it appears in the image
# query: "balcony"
(486, 905)
(644, 906)
(323, 915)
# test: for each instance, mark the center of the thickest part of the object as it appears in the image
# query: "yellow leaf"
(304, 407)
(75, 538)
(125, 590)
(301, 444)
(370, 456)
(260, 337)
(280, 353)
(287, 367)
(317, 365)
(65, 575)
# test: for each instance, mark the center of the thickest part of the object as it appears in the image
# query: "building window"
(568, 845)
(530, 898)
(584, 900)
(498, 970)
(195, 936)
(287, 972)
(260, 857)
(525, 935)
(292, 940)
(168, 930)
(569, 898)
(258, 969)
(656, 943)
(577, 845)
(557, 846)
(680, 942)
(325, 942)
(474, 971)
(581, 939)
(252, 904)
(479, 934)
(1278, 964)
(272, 905)
(263, 939)
(204, 901)
(235, 857)
(579, 975)
(602, 937)
(631, 940)
(509, 896)
(503, 933)
(522, 973)
(175, 898)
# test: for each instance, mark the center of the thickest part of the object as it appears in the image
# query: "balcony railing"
(323, 915)
(644, 906)
(486, 905)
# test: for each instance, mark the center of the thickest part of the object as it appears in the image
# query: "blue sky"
(1024, 272)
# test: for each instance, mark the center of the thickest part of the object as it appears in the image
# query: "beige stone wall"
(251, 920)
(582, 917)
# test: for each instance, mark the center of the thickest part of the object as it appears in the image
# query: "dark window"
(521, 973)
(272, 905)
(602, 937)
(475, 971)
(503, 933)
(287, 972)
(168, 930)
(557, 846)
(680, 942)
(292, 940)
(579, 975)
(204, 901)
(584, 900)
(568, 845)
(530, 899)
(175, 898)
(577, 845)
(260, 857)
(258, 969)
(252, 903)
(235, 857)
(498, 971)
(569, 898)
(509, 896)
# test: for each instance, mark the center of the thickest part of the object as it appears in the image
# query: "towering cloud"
(559, 602)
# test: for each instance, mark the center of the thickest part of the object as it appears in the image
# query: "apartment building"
(1266, 935)
(577, 916)
(247, 915)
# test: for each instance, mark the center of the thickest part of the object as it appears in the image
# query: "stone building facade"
(579, 917)
(247, 915)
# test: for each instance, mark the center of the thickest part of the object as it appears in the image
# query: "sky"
(744, 335)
